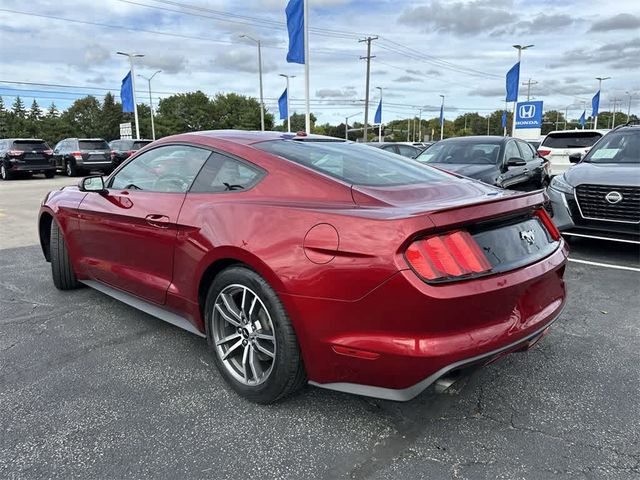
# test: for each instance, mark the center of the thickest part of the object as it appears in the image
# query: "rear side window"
(225, 174)
(352, 163)
(139, 145)
(29, 145)
(574, 139)
(93, 145)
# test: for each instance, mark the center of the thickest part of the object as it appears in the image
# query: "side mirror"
(575, 157)
(516, 162)
(92, 184)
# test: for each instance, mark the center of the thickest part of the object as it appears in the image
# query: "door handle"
(158, 221)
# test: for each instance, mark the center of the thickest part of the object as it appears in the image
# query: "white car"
(557, 146)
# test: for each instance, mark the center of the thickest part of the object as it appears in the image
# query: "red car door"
(128, 233)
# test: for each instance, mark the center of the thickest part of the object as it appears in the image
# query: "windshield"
(353, 163)
(575, 139)
(93, 145)
(621, 146)
(462, 152)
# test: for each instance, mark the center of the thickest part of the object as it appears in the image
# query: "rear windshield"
(353, 163)
(621, 146)
(138, 144)
(462, 152)
(571, 139)
(28, 145)
(93, 145)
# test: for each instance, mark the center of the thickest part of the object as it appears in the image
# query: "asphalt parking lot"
(91, 388)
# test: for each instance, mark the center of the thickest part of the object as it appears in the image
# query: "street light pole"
(288, 113)
(257, 41)
(520, 48)
(600, 79)
(420, 125)
(346, 124)
(368, 58)
(153, 127)
(442, 119)
(133, 87)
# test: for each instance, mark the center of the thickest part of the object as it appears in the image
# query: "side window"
(406, 150)
(527, 152)
(226, 174)
(169, 169)
(512, 150)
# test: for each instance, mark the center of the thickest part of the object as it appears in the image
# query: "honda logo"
(527, 111)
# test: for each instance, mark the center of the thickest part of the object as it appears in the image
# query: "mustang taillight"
(448, 255)
(548, 224)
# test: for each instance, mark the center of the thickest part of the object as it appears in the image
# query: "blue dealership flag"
(126, 94)
(378, 117)
(441, 114)
(295, 27)
(504, 118)
(513, 80)
(282, 105)
(595, 104)
(583, 120)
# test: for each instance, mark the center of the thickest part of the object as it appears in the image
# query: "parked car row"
(71, 156)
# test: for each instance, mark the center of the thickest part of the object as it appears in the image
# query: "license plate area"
(516, 244)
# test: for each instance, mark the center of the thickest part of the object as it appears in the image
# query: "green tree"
(298, 122)
(111, 117)
(238, 111)
(185, 112)
(4, 118)
(34, 120)
(83, 118)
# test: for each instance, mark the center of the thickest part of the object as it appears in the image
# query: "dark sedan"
(403, 149)
(501, 161)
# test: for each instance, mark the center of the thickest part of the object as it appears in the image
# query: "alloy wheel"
(3, 172)
(68, 168)
(244, 335)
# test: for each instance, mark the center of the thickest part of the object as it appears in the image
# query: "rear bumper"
(406, 394)
(25, 167)
(101, 164)
(401, 337)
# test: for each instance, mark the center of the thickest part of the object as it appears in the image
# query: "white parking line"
(605, 265)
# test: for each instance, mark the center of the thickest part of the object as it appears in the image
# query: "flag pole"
(307, 120)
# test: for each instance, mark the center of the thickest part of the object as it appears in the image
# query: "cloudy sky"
(457, 48)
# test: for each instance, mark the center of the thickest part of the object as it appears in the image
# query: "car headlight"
(560, 184)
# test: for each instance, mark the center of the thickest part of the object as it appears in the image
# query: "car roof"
(576, 130)
(246, 137)
(28, 139)
(478, 138)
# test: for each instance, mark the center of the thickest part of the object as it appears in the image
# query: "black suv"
(123, 149)
(76, 156)
(27, 155)
(600, 196)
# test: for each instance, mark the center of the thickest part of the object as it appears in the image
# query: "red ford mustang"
(304, 259)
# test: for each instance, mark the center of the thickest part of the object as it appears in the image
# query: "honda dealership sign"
(528, 120)
(529, 115)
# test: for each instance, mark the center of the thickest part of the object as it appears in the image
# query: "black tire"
(288, 373)
(5, 174)
(70, 168)
(49, 174)
(64, 278)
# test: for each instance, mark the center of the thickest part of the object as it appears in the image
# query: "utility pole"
(380, 125)
(488, 119)
(257, 41)
(420, 125)
(408, 128)
(629, 107)
(133, 87)
(528, 84)
(504, 132)
(442, 119)
(520, 48)
(566, 114)
(615, 104)
(368, 58)
(288, 95)
(153, 127)
(600, 79)
(557, 118)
